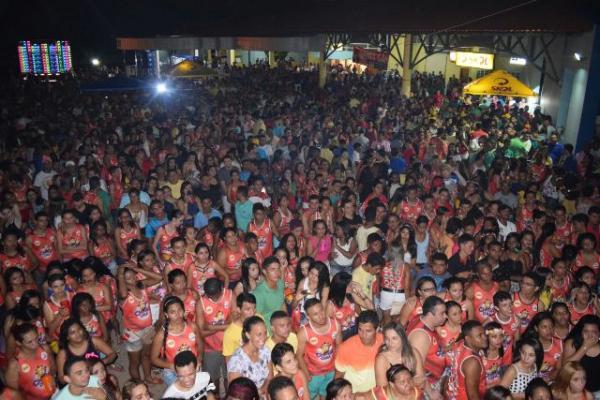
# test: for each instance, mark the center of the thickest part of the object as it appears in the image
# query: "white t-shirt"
(43, 180)
(505, 230)
(200, 390)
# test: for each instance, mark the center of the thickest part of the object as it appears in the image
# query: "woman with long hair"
(315, 285)
(583, 345)
(494, 358)
(527, 361)
(125, 232)
(570, 383)
(71, 238)
(83, 309)
(449, 332)
(231, 255)
(320, 243)
(344, 248)
(74, 340)
(107, 382)
(400, 386)
(455, 291)
(251, 277)
(161, 244)
(15, 255)
(101, 245)
(253, 358)
(178, 287)
(397, 350)
(57, 307)
(28, 310)
(102, 294)
(581, 302)
(346, 301)
(541, 327)
(203, 268)
(176, 335)
(413, 307)
(14, 277)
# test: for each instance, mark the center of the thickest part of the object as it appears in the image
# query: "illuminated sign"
(474, 60)
(518, 61)
(44, 58)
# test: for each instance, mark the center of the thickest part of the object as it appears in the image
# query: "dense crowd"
(258, 237)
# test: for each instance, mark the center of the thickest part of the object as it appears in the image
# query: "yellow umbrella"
(499, 83)
(191, 69)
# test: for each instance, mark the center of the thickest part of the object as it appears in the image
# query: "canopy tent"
(191, 69)
(498, 83)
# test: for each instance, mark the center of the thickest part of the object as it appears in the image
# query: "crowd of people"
(260, 237)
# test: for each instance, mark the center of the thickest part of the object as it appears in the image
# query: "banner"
(370, 58)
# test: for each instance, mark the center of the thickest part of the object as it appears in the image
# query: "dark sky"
(93, 25)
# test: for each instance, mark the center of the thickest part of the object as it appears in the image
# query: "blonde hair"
(563, 378)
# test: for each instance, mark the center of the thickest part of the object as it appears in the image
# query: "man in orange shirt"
(356, 356)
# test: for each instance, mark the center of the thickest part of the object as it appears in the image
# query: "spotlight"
(161, 88)
(577, 56)
(95, 62)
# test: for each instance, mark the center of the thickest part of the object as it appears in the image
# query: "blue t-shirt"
(200, 220)
(153, 226)
(439, 279)
(243, 214)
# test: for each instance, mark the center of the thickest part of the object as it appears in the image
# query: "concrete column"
(231, 57)
(272, 63)
(209, 57)
(322, 70)
(406, 56)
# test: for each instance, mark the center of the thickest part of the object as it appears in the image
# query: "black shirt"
(455, 266)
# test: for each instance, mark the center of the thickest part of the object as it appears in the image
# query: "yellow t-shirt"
(291, 340)
(175, 188)
(232, 339)
(365, 280)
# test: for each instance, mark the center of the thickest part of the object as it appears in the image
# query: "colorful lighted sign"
(44, 58)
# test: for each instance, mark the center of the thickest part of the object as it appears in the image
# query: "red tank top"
(183, 265)
(435, 360)
(164, 242)
(103, 251)
(320, 349)
(552, 356)
(43, 247)
(93, 327)
(483, 301)
(265, 236)
(416, 312)
(284, 226)
(393, 277)
(345, 315)
(577, 314)
(71, 239)
(98, 294)
(31, 372)
(197, 275)
(55, 308)
(524, 311)
(524, 219)
(289, 283)
(216, 313)
(234, 262)
(463, 306)
(409, 212)
(136, 312)
(494, 368)
(510, 328)
(189, 305)
(447, 338)
(176, 343)
(560, 292)
(457, 387)
(18, 261)
(125, 237)
(580, 262)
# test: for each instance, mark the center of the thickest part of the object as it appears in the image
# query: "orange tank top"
(552, 356)
(136, 312)
(176, 343)
(457, 387)
(31, 372)
(125, 237)
(71, 239)
(93, 327)
(216, 313)
(234, 262)
(197, 275)
(19, 261)
(183, 265)
(345, 315)
(524, 311)
(103, 251)
(320, 349)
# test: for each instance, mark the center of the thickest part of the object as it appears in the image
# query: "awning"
(499, 83)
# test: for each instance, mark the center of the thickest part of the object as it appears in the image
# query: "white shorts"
(389, 298)
(135, 341)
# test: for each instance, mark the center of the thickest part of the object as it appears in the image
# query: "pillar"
(272, 63)
(209, 57)
(591, 101)
(406, 56)
(231, 57)
(322, 70)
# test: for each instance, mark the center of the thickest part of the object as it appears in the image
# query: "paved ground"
(156, 390)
